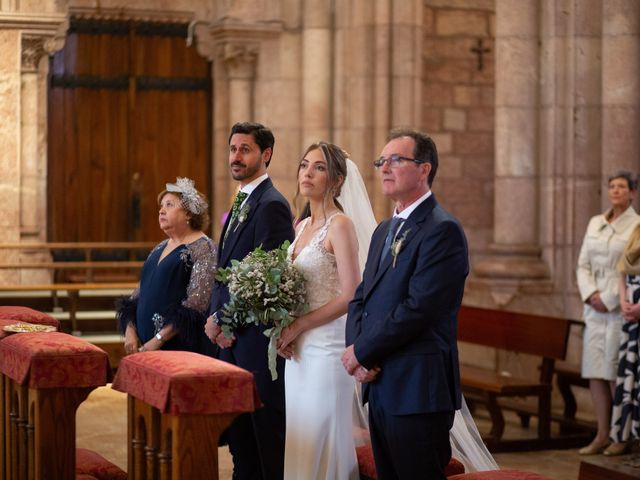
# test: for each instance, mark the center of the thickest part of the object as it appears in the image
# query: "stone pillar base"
(510, 270)
(513, 262)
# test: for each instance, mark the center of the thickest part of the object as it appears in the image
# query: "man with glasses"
(403, 318)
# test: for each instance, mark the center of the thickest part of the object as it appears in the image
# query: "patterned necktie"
(235, 209)
(391, 233)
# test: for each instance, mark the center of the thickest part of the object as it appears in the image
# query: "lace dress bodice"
(318, 266)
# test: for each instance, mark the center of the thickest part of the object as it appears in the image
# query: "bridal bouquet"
(265, 289)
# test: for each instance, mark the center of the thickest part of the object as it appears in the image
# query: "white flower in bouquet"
(265, 288)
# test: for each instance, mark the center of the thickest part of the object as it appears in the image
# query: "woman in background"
(168, 309)
(598, 283)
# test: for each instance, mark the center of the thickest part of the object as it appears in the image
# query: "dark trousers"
(410, 446)
(256, 442)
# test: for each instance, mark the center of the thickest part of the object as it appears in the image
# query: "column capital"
(239, 58)
(237, 45)
(33, 49)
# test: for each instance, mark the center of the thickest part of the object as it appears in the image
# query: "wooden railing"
(86, 247)
(79, 261)
(73, 291)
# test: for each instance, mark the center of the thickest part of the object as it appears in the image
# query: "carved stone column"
(25, 39)
(33, 149)
(515, 255)
(620, 87)
(9, 137)
(236, 53)
(32, 139)
(316, 71)
(377, 80)
(233, 100)
(36, 49)
(239, 60)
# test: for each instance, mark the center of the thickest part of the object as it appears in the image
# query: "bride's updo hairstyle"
(336, 159)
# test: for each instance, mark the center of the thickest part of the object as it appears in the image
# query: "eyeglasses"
(394, 161)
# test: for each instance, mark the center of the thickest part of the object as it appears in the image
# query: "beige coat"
(602, 246)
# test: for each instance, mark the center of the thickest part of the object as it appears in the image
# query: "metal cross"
(480, 51)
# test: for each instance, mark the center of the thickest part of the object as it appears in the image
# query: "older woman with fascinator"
(598, 281)
(168, 309)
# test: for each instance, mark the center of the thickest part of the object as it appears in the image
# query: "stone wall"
(458, 110)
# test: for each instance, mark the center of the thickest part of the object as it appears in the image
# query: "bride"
(318, 392)
(330, 248)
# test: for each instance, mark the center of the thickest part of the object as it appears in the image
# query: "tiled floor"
(101, 426)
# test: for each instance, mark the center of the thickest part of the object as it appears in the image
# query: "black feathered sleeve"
(126, 310)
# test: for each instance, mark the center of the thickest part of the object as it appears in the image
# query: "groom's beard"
(247, 172)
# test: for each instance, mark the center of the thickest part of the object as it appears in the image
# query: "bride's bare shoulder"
(342, 220)
(341, 225)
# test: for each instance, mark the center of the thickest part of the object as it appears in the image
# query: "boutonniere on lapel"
(243, 214)
(396, 246)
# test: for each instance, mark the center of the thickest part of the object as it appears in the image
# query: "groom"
(260, 215)
(402, 319)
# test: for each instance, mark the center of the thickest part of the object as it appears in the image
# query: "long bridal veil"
(466, 444)
(355, 202)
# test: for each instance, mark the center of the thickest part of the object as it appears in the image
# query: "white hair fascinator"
(192, 200)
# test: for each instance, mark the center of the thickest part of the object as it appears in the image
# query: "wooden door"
(129, 110)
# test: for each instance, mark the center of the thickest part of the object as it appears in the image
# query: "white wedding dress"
(319, 393)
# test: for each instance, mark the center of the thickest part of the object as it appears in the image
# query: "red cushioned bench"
(45, 377)
(178, 405)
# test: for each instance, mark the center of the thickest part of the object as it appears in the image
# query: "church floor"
(101, 426)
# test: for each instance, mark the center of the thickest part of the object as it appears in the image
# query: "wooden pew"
(568, 376)
(543, 337)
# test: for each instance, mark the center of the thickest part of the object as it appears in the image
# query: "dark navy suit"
(256, 440)
(403, 318)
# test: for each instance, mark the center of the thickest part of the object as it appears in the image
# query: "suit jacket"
(268, 223)
(403, 318)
